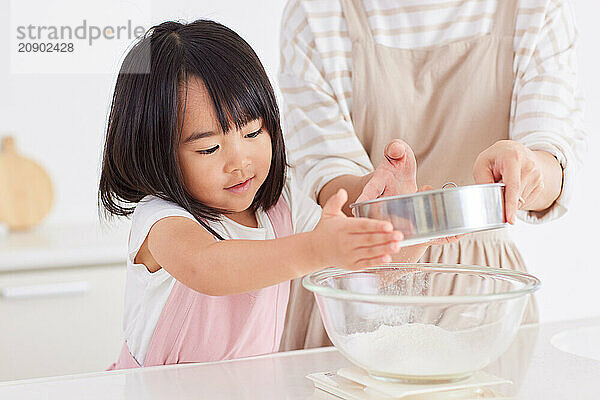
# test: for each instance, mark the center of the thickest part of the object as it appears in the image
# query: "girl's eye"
(208, 151)
(254, 134)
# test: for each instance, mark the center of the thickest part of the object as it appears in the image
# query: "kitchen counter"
(57, 246)
(537, 369)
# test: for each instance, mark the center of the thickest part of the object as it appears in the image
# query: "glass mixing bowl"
(421, 323)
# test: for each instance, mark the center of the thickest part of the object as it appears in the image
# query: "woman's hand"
(532, 178)
(396, 175)
(352, 243)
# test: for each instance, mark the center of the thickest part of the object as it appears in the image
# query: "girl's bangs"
(237, 97)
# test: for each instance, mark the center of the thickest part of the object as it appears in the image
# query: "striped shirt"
(315, 78)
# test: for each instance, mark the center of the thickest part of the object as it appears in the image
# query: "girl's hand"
(518, 167)
(352, 243)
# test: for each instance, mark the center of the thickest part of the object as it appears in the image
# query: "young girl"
(194, 150)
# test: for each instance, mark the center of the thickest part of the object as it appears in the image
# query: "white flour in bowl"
(416, 349)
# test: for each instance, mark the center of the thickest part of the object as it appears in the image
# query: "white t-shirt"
(146, 293)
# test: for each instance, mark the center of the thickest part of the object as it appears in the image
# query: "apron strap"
(280, 216)
(162, 348)
(505, 18)
(356, 20)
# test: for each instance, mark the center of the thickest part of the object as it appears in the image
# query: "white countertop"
(68, 245)
(537, 369)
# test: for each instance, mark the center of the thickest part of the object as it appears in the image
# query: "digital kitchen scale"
(355, 384)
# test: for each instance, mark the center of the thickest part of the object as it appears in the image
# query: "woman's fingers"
(395, 150)
(482, 171)
(511, 176)
(374, 188)
(515, 165)
(530, 195)
(401, 158)
(401, 165)
(533, 185)
(525, 196)
(395, 175)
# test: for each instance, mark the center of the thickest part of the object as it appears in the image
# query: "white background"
(59, 120)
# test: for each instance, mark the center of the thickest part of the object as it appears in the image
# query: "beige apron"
(449, 103)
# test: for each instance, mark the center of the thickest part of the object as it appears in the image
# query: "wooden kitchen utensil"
(25, 189)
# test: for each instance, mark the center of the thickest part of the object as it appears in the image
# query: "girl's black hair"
(143, 134)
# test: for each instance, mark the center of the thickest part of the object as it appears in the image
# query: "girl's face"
(221, 170)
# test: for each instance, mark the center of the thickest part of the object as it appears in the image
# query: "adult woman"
(482, 90)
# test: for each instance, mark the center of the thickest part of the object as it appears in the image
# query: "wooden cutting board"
(25, 189)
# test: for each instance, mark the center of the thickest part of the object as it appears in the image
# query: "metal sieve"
(434, 214)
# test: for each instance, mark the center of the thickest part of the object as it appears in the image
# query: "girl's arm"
(191, 255)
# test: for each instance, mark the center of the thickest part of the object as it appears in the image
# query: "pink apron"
(195, 327)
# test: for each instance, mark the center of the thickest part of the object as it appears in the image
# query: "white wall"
(563, 253)
(59, 120)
